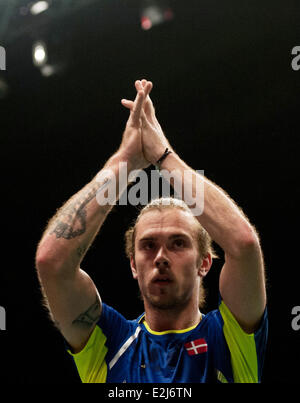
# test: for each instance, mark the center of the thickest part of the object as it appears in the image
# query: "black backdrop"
(228, 100)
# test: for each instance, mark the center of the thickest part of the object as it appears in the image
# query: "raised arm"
(242, 280)
(72, 298)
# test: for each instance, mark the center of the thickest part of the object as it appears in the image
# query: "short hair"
(203, 239)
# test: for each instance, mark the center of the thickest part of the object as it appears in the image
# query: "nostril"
(162, 263)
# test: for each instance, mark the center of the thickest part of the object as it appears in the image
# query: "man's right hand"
(131, 146)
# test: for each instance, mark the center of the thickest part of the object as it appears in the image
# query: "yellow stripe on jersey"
(242, 348)
(169, 331)
(90, 361)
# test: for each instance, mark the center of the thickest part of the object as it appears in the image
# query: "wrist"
(171, 161)
(162, 157)
(133, 163)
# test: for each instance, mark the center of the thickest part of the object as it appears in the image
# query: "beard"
(166, 300)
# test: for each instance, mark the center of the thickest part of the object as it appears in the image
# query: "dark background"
(228, 100)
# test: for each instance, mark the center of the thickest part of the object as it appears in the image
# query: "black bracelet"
(167, 152)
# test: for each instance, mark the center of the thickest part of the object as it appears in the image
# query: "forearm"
(215, 210)
(75, 225)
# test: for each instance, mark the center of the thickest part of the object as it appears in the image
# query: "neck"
(160, 320)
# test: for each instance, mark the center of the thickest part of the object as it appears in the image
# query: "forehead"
(168, 220)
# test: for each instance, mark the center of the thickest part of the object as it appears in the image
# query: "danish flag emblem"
(194, 347)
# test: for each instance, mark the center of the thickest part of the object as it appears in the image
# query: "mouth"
(162, 281)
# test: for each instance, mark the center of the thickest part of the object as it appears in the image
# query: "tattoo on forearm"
(90, 316)
(71, 219)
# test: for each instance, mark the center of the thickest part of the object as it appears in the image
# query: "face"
(167, 264)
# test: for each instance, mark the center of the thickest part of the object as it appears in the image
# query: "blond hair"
(203, 239)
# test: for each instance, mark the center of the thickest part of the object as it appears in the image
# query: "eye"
(149, 245)
(179, 243)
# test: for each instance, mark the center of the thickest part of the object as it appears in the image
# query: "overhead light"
(155, 14)
(146, 23)
(47, 59)
(48, 70)
(39, 7)
(39, 54)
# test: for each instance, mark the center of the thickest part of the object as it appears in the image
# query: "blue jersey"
(215, 350)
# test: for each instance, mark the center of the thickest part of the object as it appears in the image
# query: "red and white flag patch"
(194, 347)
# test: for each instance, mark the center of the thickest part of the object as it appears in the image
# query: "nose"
(161, 259)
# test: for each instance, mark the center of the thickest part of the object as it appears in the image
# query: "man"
(170, 253)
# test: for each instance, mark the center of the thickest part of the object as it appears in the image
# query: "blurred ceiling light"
(39, 7)
(155, 14)
(48, 70)
(146, 23)
(48, 62)
(39, 54)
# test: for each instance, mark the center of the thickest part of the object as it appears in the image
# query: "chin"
(165, 302)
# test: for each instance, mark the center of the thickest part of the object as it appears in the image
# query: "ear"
(205, 265)
(133, 268)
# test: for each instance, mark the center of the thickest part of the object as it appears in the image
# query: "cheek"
(140, 269)
(189, 269)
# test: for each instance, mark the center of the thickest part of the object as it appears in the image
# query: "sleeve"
(90, 362)
(108, 335)
(247, 350)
